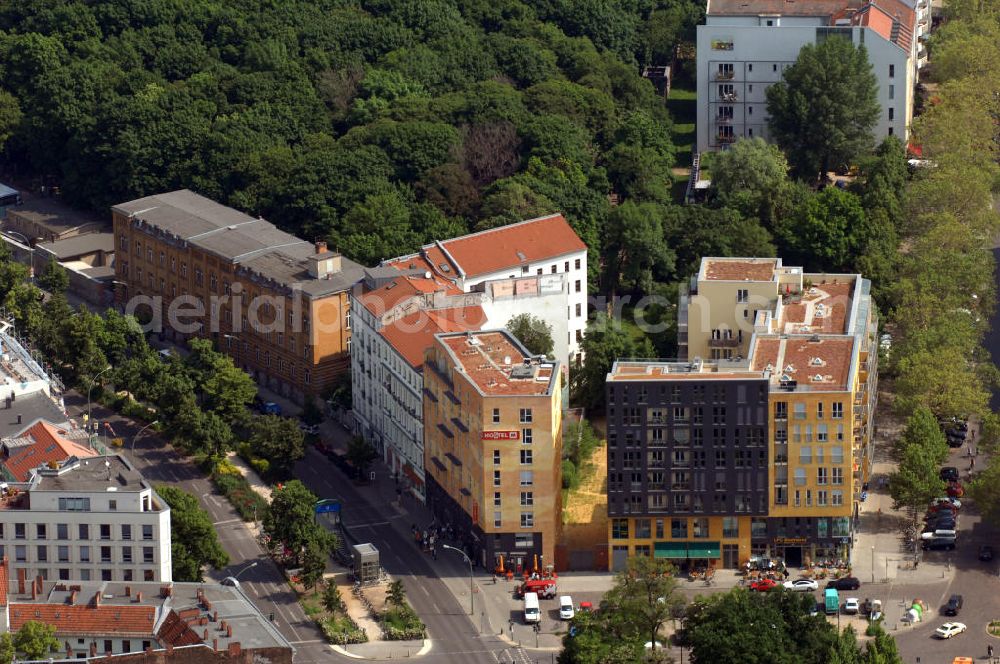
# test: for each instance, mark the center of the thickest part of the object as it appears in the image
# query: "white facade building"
(92, 519)
(744, 47)
(482, 280)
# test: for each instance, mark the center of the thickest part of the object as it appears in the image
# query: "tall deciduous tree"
(291, 518)
(916, 481)
(35, 640)
(277, 439)
(826, 232)
(645, 595)
(10, 116)
(750, 177)
(605, 341)
(824, 109)
(635, 250)
(533, 332)
(194, 542)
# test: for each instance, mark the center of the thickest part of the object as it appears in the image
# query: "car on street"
(845, 583)
(942, 508)
(949, 474)
(852, 605)
(566, 610)
(763, 585)
(938, 543)
(953, 606)
(954, 502)
(949, 629)
(943, 521)
(801, 585)
(986, 553)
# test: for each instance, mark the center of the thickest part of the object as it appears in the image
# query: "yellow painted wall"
(715, 307)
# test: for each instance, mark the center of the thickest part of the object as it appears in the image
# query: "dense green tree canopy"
(533, 332)
(194, 542)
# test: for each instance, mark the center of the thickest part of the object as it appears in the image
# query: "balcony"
(724, 75)
(729, 96)
(680, 486)
(730, 342)
(725, 140)
(723, 119)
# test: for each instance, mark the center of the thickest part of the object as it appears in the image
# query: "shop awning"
(698, 550)
(670, 550)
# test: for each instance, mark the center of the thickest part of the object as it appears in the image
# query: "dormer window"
(790, 369)
(817, 362)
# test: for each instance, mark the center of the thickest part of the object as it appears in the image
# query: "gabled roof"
(510, 246)
(46, 444)
(414, 334)
(80, 619)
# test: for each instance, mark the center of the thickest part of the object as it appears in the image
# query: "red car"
(955, 490)
(763, 585)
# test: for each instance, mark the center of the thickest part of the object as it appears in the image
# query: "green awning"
(670, 550)
(698, 550)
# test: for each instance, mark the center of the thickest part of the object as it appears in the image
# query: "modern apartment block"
(809, 339)
(744, 47)
(543, 246)
(93, 519)
(493, 446)
(277, 304)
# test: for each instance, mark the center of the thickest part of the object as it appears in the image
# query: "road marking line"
(227, 521)
(309, 641)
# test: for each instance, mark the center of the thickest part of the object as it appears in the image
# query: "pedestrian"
(434, 552)
(989, 651)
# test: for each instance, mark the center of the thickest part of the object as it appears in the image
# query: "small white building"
(93, 519)
(744, 47)
(538, 267)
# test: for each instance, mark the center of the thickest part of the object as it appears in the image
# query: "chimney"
(215, 644)
(20, 581)
(72, 598)
(235, 649)
(97, 599)
(205, 636)
(128, 591)
(208, 604)
(222, 627)
(93, 648)
(215, 616)
(229, 631)
(34, 590)
(164, 591)
(320, 247)
(138, 596)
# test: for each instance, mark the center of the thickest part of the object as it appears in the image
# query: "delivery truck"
(832, 601)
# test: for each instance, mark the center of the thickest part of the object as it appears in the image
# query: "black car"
(939, 544)
(953, 442)
(845, 583)
(986, 552)
(949, 474)
(953, 606)
(940, 524)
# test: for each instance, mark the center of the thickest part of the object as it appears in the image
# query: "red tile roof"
(83, 619)
(751, 269)
(413, 334)
(510, 246)
(49, 445)
(380, 300)
(821, 364)
(489, 360)
(176, 631)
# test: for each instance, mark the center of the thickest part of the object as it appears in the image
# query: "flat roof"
(824, 308)
(31, 408)
(819, 363)
(779, 7)
(250, 242)
(54, 215)
(101, 473)
(494, 361)
(80, 244)
(642, 370)
(739, 269)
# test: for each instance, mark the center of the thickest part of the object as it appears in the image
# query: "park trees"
(605, 340)
(277, 439)
(750, 177)
(822, 112)
(533, 332)
(194, 542)
(635, 251)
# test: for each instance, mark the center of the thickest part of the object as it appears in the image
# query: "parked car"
(956, 490)
(949, 474)
(939, 543)
(954, 502)
(271, 408)
(953, 606)
(953, 442)
(949, 629)
(566, 610)
(763, 585)
(852, 606)
(801, 585)
(845, 583)
(986, 552)
(945, 507)
(876, 610)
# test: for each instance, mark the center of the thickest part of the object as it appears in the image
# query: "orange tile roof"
(720, 269)
(50, 445)
(414, 334)
(177, 632)
(385, 297)
(80, 619)
(897, 10)
(489, 360)
(510, 246)
(822, 364)
(822, 309)
(765, 353)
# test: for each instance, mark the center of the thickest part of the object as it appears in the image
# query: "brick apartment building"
(277, 304)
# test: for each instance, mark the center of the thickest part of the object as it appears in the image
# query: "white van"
(566, 610)
(531, 611)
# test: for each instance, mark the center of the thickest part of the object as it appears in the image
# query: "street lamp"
(472, 597)
(236, 576)
(136, 436)
(92, 382)
(873, 564)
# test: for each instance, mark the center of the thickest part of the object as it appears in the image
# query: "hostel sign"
(501, 435)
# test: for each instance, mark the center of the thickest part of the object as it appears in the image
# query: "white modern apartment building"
(745, 45)
(482, 280)
(93, 519)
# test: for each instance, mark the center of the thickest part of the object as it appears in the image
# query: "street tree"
(361, 453)
(314, 558)
(881, 649)
(396, 594)
(291, 518)
(277, 439)
(35, 640)
(332, 599)
(916, 482)
(823, 110)
(922, 429)
(194, 542)
(533, 332)
(6, 648)
(645, 595)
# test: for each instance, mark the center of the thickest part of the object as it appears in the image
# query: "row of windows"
(675, 394)
(527, 520)
(824, 498)
(62, 530)
(87, 574)
(524, 416)
(696, 459)
(718, 437)
(554, 269)
(527, 478)
(63, 554)
(799, 411)
(824, 475)
(679, 528)
(692, 502)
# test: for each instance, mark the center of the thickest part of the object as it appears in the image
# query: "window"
(576, 286)
(892, 71)
(84, 531)
(496, 416)
(62, 554)
(527, 520)
(837, 410)
(84, 554)
(40, 531)
(742, 295)
(105, 531)
(107, 645)
(497, 499)
(526, 457)
(126, 645)
(527, 498)
(147, 532)
(74, 504)
(566, 266)
(838, 475)
(619, 529)
(821, 476)
(774, 67)
(525, 416)
(800, 477)
(576, 264)
(496, 478)
(21, 553)
(147, 575)
(527, 477)
(496, 457)
(126, 531)
(678, 528)
(800, 411)
(526, 436)
(85, 575)
(836, 454)
(805, 454)
(642, 528)
(113, 505)
(105, 554)
(524, 541)
(146, 645)
(821, 497)
(890, 128)
(837, 498)
(819, 410)
(892, 92)
(579, 310)
(730, 526)
(555, 268)
(43, 553)
(126, 554)
(750, 67)
(821, 433)
(147, 554)
(892, 112)
(498, 519)
(64, 574)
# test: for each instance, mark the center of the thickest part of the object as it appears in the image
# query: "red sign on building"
(501, 435)
(475, 512)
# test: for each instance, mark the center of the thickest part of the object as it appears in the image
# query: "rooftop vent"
(445, 267)
(814, 339)
(506, 360)
(427, 274)
(521, 256)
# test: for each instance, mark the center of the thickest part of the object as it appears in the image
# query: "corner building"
(811, 340)
(493, 446)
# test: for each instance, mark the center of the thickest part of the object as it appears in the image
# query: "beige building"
(493, 446)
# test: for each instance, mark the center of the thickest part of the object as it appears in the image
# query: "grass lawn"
(681, 105)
